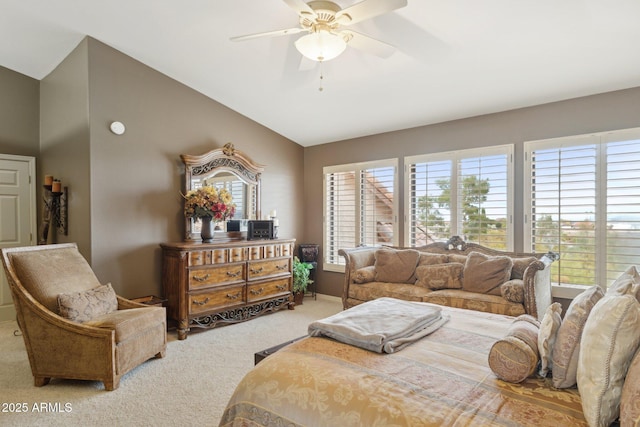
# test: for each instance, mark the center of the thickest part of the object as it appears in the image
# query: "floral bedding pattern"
(442, 380)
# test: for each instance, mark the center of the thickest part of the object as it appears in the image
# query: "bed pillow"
(567, 345)
(484, 274)
(514, 358)
(440, 276)
(520, 265)
(396, 265)
(609, 341)
(364, 275)
(547, 337)
(630, 399)
(627, 283)
(513, 290)
(87, 305)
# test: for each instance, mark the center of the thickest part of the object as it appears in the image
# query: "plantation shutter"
(377, 206)
(340, 207)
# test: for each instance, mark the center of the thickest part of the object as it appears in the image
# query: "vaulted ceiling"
(454, 59)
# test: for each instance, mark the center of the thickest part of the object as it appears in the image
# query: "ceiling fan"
(324, 21)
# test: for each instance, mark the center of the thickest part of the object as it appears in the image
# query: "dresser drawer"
(213, 300)
(268, 268)
(258, 291)
(223, 274)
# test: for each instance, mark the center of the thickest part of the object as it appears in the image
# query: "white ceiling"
(455, 58)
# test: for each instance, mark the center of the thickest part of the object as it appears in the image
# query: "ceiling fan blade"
(368, 44)
(367, 9)
(301, 8)
(267, 34)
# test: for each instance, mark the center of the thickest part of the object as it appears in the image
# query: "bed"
(441, 380)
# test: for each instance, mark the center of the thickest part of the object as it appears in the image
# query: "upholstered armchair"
(73, 326)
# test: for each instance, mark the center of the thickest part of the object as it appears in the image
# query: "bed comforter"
(442, 380)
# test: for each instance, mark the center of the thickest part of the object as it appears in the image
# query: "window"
(360, 208)
(584, 203)
(466, 193)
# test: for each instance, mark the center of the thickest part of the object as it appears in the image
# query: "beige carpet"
(189, 387)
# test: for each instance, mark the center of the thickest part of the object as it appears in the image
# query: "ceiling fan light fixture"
(321, 45)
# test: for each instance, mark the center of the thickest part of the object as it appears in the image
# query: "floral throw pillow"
(86, 305)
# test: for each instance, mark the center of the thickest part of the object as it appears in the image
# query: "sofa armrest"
(355, 259)
(537, 285)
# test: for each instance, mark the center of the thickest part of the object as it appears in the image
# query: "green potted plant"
(301, 272)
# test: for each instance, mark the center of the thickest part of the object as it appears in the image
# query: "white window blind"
(466, 193)
(360, 208)
(585, 204)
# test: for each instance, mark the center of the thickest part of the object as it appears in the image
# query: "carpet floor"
(189, 387)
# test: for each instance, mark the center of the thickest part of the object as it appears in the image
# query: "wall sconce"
(55, 208)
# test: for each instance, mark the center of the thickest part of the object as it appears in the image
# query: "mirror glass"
(224, 168)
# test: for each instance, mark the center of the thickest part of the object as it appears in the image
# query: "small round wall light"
(117, 128)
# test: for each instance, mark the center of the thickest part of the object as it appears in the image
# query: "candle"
(276, 223)
(273, 213)
(56, 186)
(48, 180)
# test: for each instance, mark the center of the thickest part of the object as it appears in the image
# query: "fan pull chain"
(321, 88)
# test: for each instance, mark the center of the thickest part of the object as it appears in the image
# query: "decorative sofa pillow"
(513, 290)
(520, 265)
(547, 337)
(431, 259)
(396, 265)
(630, 399)
(568, 338)
(514, 358)
(365, 274)
(610, 339)
(484, 274)
(462, 259)
(86, 305)
(440, 276)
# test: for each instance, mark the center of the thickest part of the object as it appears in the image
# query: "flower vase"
(206, 232)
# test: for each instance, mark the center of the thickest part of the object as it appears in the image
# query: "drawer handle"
(201, 278)
(257, 291)
(281, 287)
(257, 270)
(233, 274)
(281, 267)
(196, 258)
(236, 296)
(206, 300)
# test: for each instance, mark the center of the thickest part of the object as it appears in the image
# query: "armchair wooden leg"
(111, 385)
(161, 354)
(41, 381)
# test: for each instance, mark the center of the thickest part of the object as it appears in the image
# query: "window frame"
(356, 168)
(456, 157)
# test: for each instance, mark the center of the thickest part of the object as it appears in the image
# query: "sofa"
(454, 273)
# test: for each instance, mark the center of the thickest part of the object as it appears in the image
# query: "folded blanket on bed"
(381, 325)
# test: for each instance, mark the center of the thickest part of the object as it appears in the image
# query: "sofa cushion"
(440, 276)
(514, 357)
(373, 290)
(609, 341)
(630, 398)
(547, 337)
(46, 274)
(364, 274)
(396, 265)
(130, 323)
(430, 259)
(473, 301)
(86, 305)
(513, 290)
(484, 274)
(567, 345)
(520, 265)
(462, 259)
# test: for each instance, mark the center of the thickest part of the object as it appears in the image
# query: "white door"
(17, 215)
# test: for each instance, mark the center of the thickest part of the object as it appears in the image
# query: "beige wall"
(125, 190)
(609, 111)
(19, 115)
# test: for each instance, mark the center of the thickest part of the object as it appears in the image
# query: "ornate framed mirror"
(227, 168)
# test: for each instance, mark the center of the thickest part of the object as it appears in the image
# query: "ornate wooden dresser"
(207, 284)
